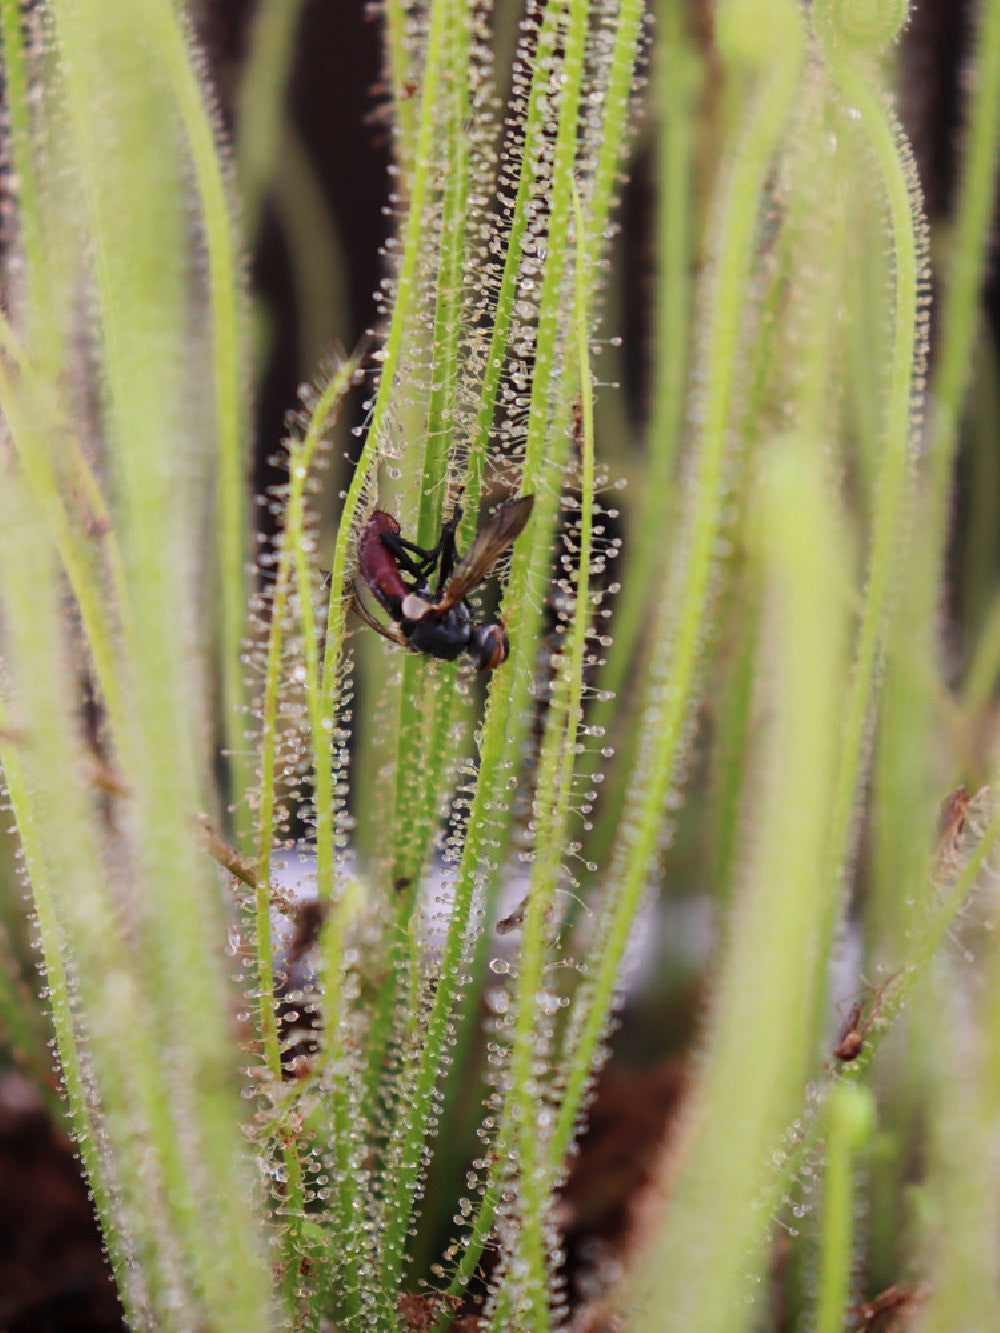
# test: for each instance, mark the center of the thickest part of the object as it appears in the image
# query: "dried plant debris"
(891, 1310)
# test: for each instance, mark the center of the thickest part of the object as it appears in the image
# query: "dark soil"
(54, 1277)
(53, 1274)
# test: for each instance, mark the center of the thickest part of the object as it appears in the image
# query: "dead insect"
(514, 920)
(954, 812)
(951, 827)
(856, 1024)
(439, 623)
(851, 1037)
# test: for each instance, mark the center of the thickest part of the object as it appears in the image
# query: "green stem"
(676, 88)
(850, 1117)
(400, 75)
(683, 616)
(536, 1172)
(406, 285)
(503, 714)
(260, 114)
(81, 1123)
(886, 143)
(138, 240)
(292, 560)
(710, 1244)
(538, 110)
(427, 738)
(76, 551)
(960, 315)
(22, 148)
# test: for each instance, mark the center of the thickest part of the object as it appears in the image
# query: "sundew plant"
(332, 935)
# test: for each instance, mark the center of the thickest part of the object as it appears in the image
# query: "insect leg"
(388, 632)
(403, 552)
(446, 548)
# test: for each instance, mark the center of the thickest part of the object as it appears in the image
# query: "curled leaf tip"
(860, 24)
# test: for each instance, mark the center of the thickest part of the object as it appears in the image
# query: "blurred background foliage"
(304, 92)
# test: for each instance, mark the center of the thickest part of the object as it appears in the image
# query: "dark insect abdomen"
(444, 635)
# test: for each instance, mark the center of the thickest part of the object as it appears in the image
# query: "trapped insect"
(856, 1024)
(437, 622)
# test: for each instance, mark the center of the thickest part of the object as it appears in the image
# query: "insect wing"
(493, 539)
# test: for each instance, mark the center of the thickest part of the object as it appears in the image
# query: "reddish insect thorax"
(378, 568)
